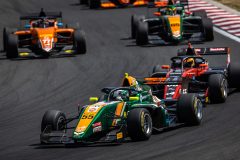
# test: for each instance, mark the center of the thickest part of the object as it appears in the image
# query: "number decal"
(90, 116)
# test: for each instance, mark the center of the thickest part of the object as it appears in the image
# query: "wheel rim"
(61, 123)
(224, 89)
(198, 109)
(147, 126)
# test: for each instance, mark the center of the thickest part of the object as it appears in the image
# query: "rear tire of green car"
(208, 29)
(139, 124)
(202, 13)
(80, 42)
(12, 46)
(218, 88)
(233, 75)
(94, 4)
(83, 1)
(135, 19)
(189, 109)
(142, 33)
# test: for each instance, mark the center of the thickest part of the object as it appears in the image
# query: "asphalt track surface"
(30, 87)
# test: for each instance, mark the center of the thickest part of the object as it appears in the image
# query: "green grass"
(235, 4)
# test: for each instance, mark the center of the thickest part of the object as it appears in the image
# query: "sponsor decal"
(80, 129)
(46, 43)
(97, 124)
(93, 108)
(175, 24)
(119, 135)
(97, 127)
(217, 49)
(197, 50)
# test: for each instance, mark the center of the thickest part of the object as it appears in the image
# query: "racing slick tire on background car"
(6, 33)
(94, 4)
(80, 42)
(134, 22)
(201, 13)
(189, 109)
(142, 33)
(233, 75)
(12, 46)
(157, 68)
(208, 29)
(218, 88)
(158, 72)
(139, 124)
(83, 1)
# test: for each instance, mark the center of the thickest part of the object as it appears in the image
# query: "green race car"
(122, 112)
(172, 24)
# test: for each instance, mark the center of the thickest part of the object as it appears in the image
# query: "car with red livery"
(193, 74)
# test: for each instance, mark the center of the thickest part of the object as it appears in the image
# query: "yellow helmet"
(189, 63)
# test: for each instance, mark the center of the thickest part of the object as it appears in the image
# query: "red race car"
(191, 73)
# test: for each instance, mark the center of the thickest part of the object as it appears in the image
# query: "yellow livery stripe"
(88, 115)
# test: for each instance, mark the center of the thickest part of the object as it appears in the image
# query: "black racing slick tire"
(6, 33)
(157, 68)
(139, 124)
(218, 88)
(208, 29)
(12, 46)
(94, 4)
(134, 22)
(142, 33)
(54, 119)
(233, 75)
(80, 42)
(201, 13)
(83, 1)
(189, 109)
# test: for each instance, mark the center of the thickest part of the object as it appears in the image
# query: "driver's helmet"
(121, 95)
(171, 10)
(188, 63)
(43, 23)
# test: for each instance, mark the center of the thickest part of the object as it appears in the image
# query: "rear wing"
(212, 51)
(41, 14)
(207, 51)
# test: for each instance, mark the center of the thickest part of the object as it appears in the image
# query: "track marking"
(226, 23)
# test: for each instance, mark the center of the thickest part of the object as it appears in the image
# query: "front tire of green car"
(54, 119)
(139, 124)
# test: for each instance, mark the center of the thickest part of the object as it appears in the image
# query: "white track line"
(227, 34)
(228, 24)
(226, 19)
(236, 31)
(231, 27)
(223, 16)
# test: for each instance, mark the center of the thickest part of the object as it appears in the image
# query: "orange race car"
(94, 4)
(43, 35)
